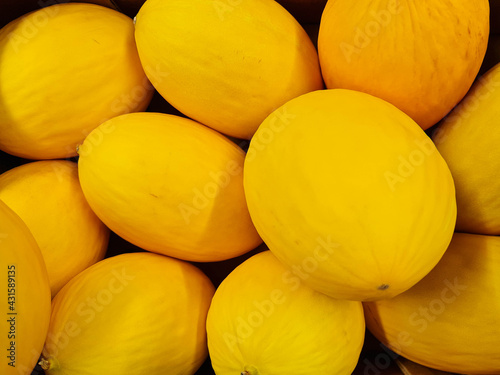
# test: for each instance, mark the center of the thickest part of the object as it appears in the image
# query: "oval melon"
(350, 193)
(169, 185)
(226, 64)
(25, 296)
(136, 314)
(449, 320)
(468, 140)
(65, 69)
(47, 196)
(263, 321)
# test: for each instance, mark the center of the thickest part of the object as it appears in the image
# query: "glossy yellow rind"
(226, 64)
(137, 313)
(350, 193)
(421, 56)
(25, 334)
(64, 69)
(263, 321)
(449, 320)
(48, 198)
(468, 139)
(168, 185)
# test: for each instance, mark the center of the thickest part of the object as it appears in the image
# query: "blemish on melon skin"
(383, 287)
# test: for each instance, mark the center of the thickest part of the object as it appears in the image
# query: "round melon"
(350, 193)
(420, 56)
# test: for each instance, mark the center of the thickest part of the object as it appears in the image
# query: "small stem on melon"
(250, 370)
(45, 364)
(49, 363)
(383, 287)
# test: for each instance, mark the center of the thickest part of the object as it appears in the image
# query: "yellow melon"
(25, 296)
(137, 314)
(226, 64)
(169, 185)
(261, 322)
(449, 320)
(64, 69)
(48, 197)
(468, 140)
(350, 193)
(420, 56)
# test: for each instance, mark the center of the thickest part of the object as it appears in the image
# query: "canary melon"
(226, 64)
(25, 296)
(263, 322)
(468, 140)
(79, 67)
(136, 314)
(350, 193)
(169, 185)
(48, 197)
(449, 320)
(420, 56)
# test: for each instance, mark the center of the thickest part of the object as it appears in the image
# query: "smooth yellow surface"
(350, 193)
(449, 320)
(137, 314)
(226, 64)
(19, 252)
(169, 185)
(48, 198)
(468, 139)
(263, 323)
(421, 56)
(64, 69)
